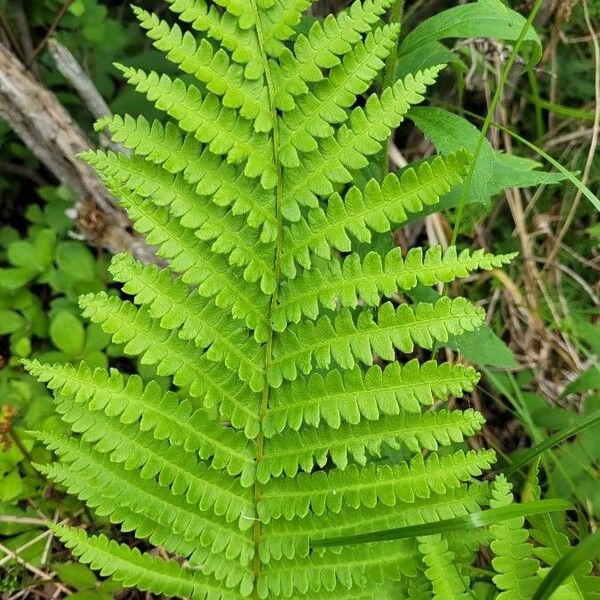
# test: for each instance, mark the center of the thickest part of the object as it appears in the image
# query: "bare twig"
(37, 572)
(84, 86)
(59, 17)
(24, 172)
(7, 31)
(20, 19)
(72, 70)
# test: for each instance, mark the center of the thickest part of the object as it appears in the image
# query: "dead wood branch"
(48, 130)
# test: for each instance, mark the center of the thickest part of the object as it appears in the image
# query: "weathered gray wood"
(48, 130)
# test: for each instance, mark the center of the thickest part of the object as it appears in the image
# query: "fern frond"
(335, 283)
(350, 396)
(217, 185)
(143, 571)
(176, 307)
(222, 27)
(163, 414)
(329, 570)
(362, 136)
(347, 341)
(280, 428)
(329, 100)
(368, 486)
(213, 68)
(446, 581)
(198, 266)
(292, 452)
(375, 209)
(330, 39)
(190, 369)
(220, 128)
(513, 554)
(283, 538)
(143, 506)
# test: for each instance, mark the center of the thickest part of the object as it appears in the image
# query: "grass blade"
(474, 520)
(585, 551)
(552, 441)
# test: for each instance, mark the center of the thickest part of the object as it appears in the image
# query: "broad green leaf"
(11, 485)
(96, 359)
(516, 171)
(43, 245)
(67, 333)
(484, 348)
(485, 18)
(449, 132)
(428, 56)
(77, 575)
(76, 260)
(22, 347)
(10, 321)
(14, 278)
(22, 254)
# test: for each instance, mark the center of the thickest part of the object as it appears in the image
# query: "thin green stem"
(260, 440)
(537, 105)
(490, 115)
(390, 73)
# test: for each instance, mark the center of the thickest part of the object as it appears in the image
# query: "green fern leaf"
(350, 396)
(367, 486)
(375, 209)
(279, 428)
(193, 317)
(219, 127)
(143, 571)
(347, 341)
(446, 581)
(224, 28)
(282, 538)
(344, 283)
(199, 266)
(279, 23)
(513, 561)
(227, 233)
(144, 507)
(327, 41)
(189, 367)
(363, 135)
(213, 68)
(216, 186)
(162, 414)
(332, 97)
(289, 453)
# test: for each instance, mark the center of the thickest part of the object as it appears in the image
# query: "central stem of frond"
(275, 297)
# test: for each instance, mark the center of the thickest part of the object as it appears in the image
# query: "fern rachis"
(281, 420)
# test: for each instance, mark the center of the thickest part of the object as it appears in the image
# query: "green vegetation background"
(539, 355)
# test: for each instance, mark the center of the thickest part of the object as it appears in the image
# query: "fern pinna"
(281, 336)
